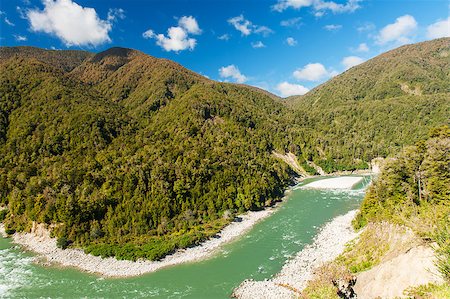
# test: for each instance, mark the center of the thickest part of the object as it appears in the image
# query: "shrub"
(62, 242)
(3, 214)
(10, 231)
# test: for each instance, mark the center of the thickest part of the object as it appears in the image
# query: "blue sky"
(284, 46)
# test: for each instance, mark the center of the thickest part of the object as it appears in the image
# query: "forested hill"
(376, 107)
(125, 150)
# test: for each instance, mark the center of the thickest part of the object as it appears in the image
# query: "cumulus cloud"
(245, 27)
(399, 32)
(320, 7)
(313, 72)
(294, 22)
(73, 24)
(233, 72)
(351, 61)
(189, 24)
(287, 89)
(177, 38)
(258, 45)
(439, 29)
(332, 27)
(362, 48)
(241, 24)
(291, 41)
(148, 34)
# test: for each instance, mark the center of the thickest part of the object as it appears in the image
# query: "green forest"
(127, 155)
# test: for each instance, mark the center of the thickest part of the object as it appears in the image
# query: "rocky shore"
(39, 241)
(294, 275)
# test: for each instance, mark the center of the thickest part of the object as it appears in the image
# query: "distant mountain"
(123, 149)
(376, 107)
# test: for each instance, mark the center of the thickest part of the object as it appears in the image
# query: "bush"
(10, 231)
(3, 214)
(62, 243)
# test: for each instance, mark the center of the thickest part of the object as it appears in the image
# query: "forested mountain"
(376, 107)
(129, 149)
(129, 155)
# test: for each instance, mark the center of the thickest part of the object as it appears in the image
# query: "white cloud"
(258, 45)
(264, 30)
(296, 4)
(366, 27)
(313, 72)
(148, 34)
(177, 38)
(362, 48)
(291, 41)
(351, 61)
(225, 36)
(190, 24)
(20, 38)
(287, 89)
(241, 24)
(320, 7)
(73, 24)
(233, 72)
(349, 6)
(439, 29)
(332, 27)
(22, 12)
(246, 27)
(115, 14)
(294, 22)
(399, 32)
(8, 22)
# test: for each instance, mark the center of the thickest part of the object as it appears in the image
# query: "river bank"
(295, 274)
(40, 242)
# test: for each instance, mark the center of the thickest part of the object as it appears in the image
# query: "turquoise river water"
(258, 254)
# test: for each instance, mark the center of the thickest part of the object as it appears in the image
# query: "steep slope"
(404, 248)
(374, 108)
(120, 176)
(140, 82)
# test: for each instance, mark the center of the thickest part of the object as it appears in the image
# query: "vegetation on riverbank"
(408, 203)
(413, 190)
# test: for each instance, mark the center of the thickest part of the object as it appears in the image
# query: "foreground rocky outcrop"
(391, 278)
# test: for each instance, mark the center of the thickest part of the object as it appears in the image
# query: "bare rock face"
(389, 279)
(376, 164)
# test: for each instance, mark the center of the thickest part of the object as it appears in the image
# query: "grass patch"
(429, 291)
(323, 284)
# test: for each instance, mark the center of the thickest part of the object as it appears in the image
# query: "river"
(258, 254)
